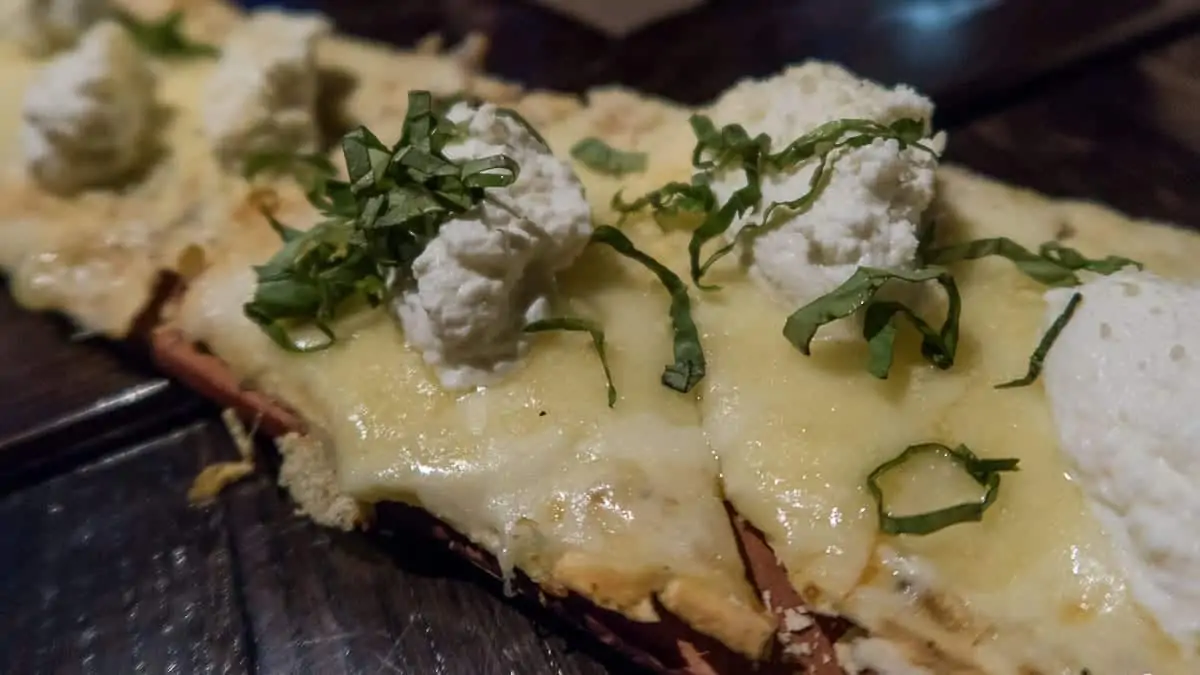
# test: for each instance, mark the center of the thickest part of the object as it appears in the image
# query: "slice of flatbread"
(617, 518)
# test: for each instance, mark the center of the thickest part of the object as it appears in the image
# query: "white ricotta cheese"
(869, 211)
(262, 96)
(1123, 380)
(483, 278)
(46, 26)
(89, 117)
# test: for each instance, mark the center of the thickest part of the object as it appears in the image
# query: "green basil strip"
(938, 346)
(816, 185)
(715, 225)
(164, 37)
(985, 472)
(672, 199)
(488, 172)
(377, 223)
(576, 324)
(1074, 260)
(1038, 358)
(367, 158)
(732, 144)
(515, 116)
(1053, 264)
(601, 157)
(689, 366)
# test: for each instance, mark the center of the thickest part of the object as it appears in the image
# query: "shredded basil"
(601, 157)
(523, 123)
(938, 346)
(576, 324)
(985, 472)
(671, 199)
(376, 224)
(732, 147)
(1039, 354)
(1053, 264)
(689, 366)
(1074, 260)
(164, 37)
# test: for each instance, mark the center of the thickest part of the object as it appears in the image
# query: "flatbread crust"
(667, 643)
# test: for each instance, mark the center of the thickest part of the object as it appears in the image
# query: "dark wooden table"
(105, 569)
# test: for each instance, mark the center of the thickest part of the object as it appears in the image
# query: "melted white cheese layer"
(1037, 584)
(1123, 383)
(533, 467)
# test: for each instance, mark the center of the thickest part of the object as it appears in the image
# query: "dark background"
(105, 569)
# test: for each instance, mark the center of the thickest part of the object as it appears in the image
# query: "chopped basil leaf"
(601, 157)
(717, 222)
(689, 366)
(732, 147)
(377, 223)
(1074, 260)
(524, 123)
(938, 346)
(164, 37)
(985, 472)
(822, 143)
(309, 280)
(1043, 348)
(576, 324)
(672, 199)
(1053, 264)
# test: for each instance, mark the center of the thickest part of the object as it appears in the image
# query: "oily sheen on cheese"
(96, 254)
(1128, 355)
(536, 468)
(582, 495)
(1036, 584)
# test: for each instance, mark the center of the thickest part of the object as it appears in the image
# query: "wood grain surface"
(65, 397)
(108, 570)
(1127, 134)
(105, 569)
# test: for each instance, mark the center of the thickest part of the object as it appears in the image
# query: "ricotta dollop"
(89, 116)
(262, 97)
(485, 276)
(869, 211)
(1122, 379)
(45, 26)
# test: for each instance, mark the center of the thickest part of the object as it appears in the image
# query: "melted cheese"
(1035, 585)
(537, 469)
(97, 255)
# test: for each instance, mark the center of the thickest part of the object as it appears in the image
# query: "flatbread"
(669, 572)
